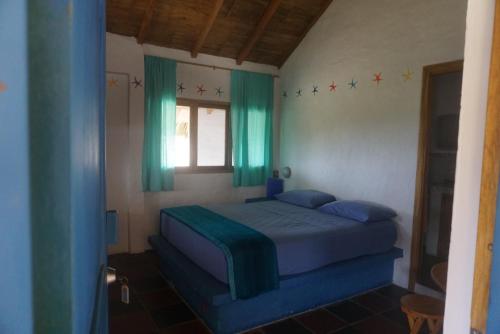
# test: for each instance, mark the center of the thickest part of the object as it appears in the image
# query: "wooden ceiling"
(261, 31)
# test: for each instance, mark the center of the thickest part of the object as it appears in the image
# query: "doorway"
(117, 156)
(435, 181)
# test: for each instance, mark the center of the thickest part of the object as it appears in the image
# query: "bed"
(320, 258)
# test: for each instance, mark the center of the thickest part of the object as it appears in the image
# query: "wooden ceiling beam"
(258, 31)
(146, 22)
(315, 19)
(208, 26)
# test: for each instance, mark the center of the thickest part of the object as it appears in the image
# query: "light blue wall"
(67, 164)
(52, 233)
(49, 27)
(493, 325)
(15, 236)
(87, 165)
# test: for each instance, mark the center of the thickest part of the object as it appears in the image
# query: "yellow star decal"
(112, 83)
(408, 75)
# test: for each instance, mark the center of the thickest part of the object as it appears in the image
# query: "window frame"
(193, 167)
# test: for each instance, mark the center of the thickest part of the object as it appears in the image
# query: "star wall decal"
(377, 77)
(352, 84)
(407, 75)
(3, 87)
(180, 88)
(285, 94)
(200, 90)
(333, 87)
(219, 92)
(315, 90)
(298, 93)
(136, 83)
(112, 83)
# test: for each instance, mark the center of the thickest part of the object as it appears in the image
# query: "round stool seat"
(424, 305)
(421, 308)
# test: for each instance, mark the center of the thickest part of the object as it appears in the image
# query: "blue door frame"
(52, 166)
(15, 229)
(493, 324)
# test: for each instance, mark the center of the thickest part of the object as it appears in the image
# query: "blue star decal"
(180, 88)
(315, 90)
(219, 92)
(298, 93)
(353, 84)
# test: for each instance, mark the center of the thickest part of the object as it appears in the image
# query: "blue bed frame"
(211, 298)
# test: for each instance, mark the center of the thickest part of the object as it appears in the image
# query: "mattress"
(305, 239)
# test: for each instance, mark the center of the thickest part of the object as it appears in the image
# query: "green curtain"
(158, 156)
(252, 127)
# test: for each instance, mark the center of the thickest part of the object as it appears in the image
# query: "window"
(182, 136)
(203, 137)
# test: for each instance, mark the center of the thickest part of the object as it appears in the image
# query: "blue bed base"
(212, 301)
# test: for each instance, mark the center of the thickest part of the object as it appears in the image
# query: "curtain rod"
(214, 67)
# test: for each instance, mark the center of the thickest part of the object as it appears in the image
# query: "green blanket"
(252, 264)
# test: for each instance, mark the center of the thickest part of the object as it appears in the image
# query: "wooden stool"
(439, 273)
(419, 308)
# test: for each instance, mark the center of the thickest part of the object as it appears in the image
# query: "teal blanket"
(252, 264)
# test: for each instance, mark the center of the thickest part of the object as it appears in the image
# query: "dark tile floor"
(156, 308)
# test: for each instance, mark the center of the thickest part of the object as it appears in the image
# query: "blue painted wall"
(87, 165)
(493, 325)
(52, 222)
(49, 27)
(15, 236)
(67, 164)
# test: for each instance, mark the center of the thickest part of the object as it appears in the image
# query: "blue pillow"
(361, 211)
(306, 198)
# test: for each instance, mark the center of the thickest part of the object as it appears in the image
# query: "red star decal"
(377, 77)
(3, 87)
(200, 89)
(333, 87)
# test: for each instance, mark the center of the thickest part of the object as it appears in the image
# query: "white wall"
(118, 156)
(126, 56)
(362, 143)
(469, 164)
